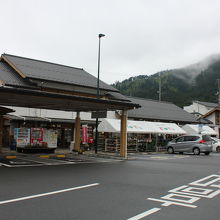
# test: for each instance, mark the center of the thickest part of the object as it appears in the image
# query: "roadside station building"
(38, 84)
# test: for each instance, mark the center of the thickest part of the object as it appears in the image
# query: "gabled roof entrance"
(38, 84)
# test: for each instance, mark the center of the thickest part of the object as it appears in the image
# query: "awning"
(141, 127)
(196, 129)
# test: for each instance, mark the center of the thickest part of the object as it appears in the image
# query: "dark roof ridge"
(73, 84)
(42, 61)
(149, 99)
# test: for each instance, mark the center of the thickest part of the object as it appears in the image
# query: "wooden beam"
(1, 133)
(77, 133)
(123, 136)
(13, 66)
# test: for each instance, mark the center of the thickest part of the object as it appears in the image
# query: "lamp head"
(101, 35)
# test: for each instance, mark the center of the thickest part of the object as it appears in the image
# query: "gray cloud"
(142, 36)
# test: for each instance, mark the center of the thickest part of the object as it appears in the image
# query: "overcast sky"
(142, 36)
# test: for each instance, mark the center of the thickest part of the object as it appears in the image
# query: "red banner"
(84, 134)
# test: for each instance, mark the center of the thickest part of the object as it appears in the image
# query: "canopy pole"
(156, 143)
(1, 132)
(77, 133)
(123, 137)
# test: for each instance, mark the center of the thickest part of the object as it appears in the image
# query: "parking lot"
(25, 160)
(147, 186)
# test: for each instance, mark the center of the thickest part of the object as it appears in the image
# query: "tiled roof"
(10, 78)
(24, 77)
(37, 69)
(155, 110)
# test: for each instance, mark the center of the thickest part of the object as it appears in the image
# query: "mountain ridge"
(180, 86)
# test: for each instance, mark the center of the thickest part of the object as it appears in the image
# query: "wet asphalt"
(122, 189)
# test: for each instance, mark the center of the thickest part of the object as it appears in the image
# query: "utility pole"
(159, 91)
(218, 81)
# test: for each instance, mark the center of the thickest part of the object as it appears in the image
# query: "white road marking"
(185, 198)
(34, 165)
(202, 182)
(47, 194)
(144, 214)
(42, 162)
(168, 157)
(53, 164)
(6, 165)
(1, 164)
(168, 203)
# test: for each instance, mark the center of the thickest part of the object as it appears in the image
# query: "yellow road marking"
(44, 156)
(61, 156)
(10, 157)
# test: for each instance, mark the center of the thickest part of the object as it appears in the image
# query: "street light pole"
(96, 124)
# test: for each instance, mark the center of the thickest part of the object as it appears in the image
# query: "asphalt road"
(116, 190)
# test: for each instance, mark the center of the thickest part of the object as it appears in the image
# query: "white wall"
(45, 113)
(195, 107)
(211, 118)
(111, 115)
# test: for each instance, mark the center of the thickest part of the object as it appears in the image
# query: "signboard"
(84, 134)
(99, 114)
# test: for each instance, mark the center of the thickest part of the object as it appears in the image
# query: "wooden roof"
(38, 84)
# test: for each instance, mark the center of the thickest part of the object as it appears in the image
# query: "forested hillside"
(180, 86)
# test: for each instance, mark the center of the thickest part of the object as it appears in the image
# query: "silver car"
(191, 144)
(215, 144)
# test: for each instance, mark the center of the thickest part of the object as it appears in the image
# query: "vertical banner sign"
(84, 134)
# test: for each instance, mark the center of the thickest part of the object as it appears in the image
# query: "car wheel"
(218, 149)
(170, 150)
(207, 153)
(196, 151)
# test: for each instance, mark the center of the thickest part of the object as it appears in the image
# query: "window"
(181, 139)
(191, 138)
(206, 138)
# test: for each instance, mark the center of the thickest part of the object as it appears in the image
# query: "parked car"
(191, 144)
(215, 145)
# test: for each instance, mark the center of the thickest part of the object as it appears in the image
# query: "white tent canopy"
(141, 127)
(196, 129)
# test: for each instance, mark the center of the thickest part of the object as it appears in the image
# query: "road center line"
(47, 194)
(144, 214)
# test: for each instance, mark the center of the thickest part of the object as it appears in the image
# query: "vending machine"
(22, 136)
(37, 136)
